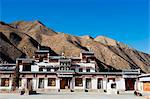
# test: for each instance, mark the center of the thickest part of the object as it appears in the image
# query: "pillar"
(94, 83)
(45, 82)
(0, 82)
(72, 83)
(105, 83)
(34, 80)
(57, 83)
(120, 84)
(24, 83)
(84, 83)
(20, 68)
(10, 83)
(136, 84)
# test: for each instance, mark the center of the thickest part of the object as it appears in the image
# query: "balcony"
(7, 67)
(131, 71)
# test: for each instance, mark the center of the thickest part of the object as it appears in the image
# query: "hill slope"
(24, 37)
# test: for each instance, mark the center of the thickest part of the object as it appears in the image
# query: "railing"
(131, 71)
(7, 68)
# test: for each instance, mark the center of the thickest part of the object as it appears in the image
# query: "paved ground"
(74, 95)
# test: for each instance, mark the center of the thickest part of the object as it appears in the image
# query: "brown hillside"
(25, 37)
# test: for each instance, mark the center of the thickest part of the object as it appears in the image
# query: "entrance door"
(64, 83)
(29, 83)
(130, 82)
(99, 83)
(41, 83)
(88, 83)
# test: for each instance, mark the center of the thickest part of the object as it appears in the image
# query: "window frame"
(88, 70)
(80, 69)
(50, 82)
(78, 82)
(3, 82)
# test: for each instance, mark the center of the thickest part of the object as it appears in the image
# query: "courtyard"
(74, 95)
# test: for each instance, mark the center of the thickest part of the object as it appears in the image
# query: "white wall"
(84, 70)
(92, 70)
(34, 68)
(24, 83)
(20, 68)
(120, 84)
(72, 83)
(104, 83)
(140, 86)
(144, 79)
(94, 83)
(109, 84)
(46, 83)
(57, 83)
(34, 81)
(86, 64)
(52, 70)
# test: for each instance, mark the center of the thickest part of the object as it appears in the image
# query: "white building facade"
(144, 82)
(46, 72)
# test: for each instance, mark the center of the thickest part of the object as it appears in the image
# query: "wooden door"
(29, 83)
(41, 83)
(62, 83)
(88, 83)
(129, 82)
(146, 86)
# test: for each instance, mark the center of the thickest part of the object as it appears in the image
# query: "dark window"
(80, 70)
(88, 60)
(40, 69)
(5, 82)
(88, 83)
(48, 69)
(78, 82)
(61, 68)
(99, 83)
(69, 63)
(62, 63)
(51, 81)
(113, 79)
(88, 70)
(41, 83)
(26, 67)
(55, 69)
(113, 85)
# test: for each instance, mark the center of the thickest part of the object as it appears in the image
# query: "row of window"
(28, 68)
(52, 82)
(66, 68)
(79, 83)
(48, 69)
(65, 63)
(81, 70)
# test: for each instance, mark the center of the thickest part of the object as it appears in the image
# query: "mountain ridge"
(26, 36)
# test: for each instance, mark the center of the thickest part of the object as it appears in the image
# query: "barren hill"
(20, 39)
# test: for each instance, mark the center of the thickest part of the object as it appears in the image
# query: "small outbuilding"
(144, 82)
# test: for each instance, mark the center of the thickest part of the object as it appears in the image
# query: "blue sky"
(123, 20)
